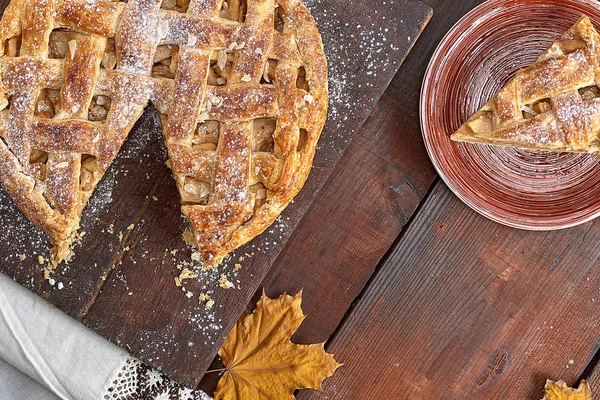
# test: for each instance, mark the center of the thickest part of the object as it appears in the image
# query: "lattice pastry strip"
(553, 105)
(241, 87)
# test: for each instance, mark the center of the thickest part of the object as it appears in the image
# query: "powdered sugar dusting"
(24, 238)
(353, 52)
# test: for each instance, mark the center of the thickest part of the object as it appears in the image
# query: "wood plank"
(467, 308)
(141, 308)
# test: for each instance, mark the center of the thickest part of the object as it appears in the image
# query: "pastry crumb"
(41, 260)
(237, 267)
(154, 198)
(187, 274)
(22, 257)
(209, 304)
(130, 227)
(225, 283)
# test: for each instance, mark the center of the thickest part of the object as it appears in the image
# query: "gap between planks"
(383, 261)
(120, 253)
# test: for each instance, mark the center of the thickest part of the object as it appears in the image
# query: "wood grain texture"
(140, 307)
(465, 308)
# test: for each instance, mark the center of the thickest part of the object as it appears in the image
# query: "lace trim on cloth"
(136, 381)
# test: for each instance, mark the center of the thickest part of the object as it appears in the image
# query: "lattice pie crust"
(553, 105)
(240, 85)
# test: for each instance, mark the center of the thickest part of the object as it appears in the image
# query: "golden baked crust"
(241, 87)
(553, 105)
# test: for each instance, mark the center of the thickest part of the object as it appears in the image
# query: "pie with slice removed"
(553, 105)
(240, 85)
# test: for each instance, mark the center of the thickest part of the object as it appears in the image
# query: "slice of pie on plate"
(553, 105)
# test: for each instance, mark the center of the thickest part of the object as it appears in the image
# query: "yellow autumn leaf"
(560, 391)
(262, 362)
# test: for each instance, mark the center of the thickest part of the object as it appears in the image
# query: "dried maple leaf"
(262, 362)
(560, 391)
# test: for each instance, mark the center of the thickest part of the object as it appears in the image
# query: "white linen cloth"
(67, 360)
(18, 386)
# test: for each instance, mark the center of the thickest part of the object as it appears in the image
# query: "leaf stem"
(216, 370)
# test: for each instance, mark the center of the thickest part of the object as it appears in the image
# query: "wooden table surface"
(419, 296)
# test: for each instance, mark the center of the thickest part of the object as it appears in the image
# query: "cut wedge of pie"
(241, 87)
(553, 105)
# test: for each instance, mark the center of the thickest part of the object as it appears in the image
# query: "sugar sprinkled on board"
(353, 52)
(25, 238)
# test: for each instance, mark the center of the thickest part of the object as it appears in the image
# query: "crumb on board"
(187, 274)
(41, 260)
(130, 227)
(22, 257)
(209, 304)
(154, 198)
(225, 283)
(120, 236)
(111, 229)
(237, 267)
(196, 256)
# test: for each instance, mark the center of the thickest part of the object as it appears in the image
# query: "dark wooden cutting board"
(121, 282)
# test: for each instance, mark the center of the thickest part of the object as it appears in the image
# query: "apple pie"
(553, 105)
(240, 85)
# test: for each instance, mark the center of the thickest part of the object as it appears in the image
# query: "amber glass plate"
(519, 188)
